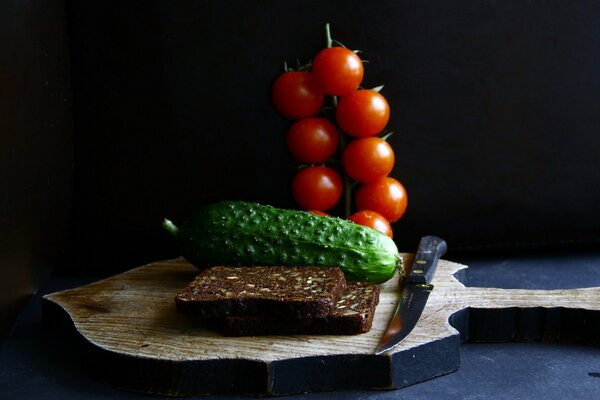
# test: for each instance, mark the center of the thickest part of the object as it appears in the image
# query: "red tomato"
(312, 140)
(319, 213)
(317, 188)
(386, 196)
(368, 159)
(373, 220)
(337, 70)
(296, 95)
(362, 113)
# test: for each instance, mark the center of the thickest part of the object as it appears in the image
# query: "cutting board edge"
(258, 377)
(269, 380)
(425, 362)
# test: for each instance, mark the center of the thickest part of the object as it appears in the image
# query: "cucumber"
(242, 233)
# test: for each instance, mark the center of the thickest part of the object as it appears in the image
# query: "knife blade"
(415, 293)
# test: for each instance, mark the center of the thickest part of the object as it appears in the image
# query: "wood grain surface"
(139, 341)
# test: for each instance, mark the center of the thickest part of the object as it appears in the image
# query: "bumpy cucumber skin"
(242, 233)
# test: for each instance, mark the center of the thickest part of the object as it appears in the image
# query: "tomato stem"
(328, 36)
(346, 183)
(387, 135)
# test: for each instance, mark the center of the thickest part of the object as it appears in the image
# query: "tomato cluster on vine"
(355, 128)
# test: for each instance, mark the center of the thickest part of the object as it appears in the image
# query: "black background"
(495, 105)
(114, 114)
(36, 147)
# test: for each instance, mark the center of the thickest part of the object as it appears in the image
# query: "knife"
(414, 293)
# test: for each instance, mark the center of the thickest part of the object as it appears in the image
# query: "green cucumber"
(241, 233)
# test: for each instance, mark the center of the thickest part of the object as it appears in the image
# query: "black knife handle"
(430, 250)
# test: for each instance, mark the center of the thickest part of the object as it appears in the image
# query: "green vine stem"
(343, 140)
(328, 35)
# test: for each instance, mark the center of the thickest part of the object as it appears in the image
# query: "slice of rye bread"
(290, 292)
(352, 314)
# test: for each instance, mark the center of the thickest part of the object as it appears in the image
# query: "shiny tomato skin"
(312, 140)
(337, 70)
(317, 188)
(373, 220)
(296, 95)
(362, 113)
(386, 196)
(319, 213)
(368, 159)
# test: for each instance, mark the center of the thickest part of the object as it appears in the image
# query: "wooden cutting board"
(134, 338)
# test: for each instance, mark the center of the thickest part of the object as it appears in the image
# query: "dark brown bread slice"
(290, 292)
(352, 314)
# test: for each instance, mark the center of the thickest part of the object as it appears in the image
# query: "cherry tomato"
(296, 95)
(312, 140)
(368, 159)
(337, 70)
(319, 213)
(362, 113)
(386, 196)
(373, 220)
(317, 188)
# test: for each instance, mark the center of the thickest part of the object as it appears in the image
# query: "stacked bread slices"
(267, 300)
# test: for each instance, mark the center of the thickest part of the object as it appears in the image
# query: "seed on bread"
(353, 314)
(217, 291)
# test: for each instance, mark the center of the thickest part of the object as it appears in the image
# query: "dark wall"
(35, 146)
(495, 105)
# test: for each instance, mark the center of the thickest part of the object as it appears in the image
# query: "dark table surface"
(39, 364)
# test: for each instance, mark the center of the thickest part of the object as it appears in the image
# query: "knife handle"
(430, 250)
